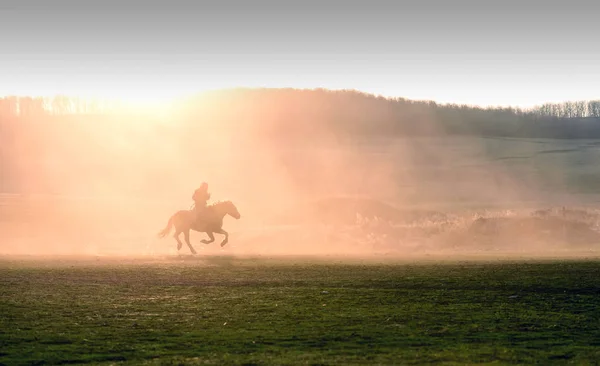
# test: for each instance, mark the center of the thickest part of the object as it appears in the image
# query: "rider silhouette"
(200, 197)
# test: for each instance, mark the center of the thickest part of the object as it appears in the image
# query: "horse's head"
(228, 208)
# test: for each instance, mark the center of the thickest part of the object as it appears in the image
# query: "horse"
(185, 220)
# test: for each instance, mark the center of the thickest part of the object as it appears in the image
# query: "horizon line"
(191, 94)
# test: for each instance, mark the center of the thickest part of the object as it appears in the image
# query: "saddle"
(203, 218)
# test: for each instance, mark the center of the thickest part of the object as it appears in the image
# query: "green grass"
(296, 311)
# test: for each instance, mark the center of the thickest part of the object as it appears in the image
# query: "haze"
(110, 121)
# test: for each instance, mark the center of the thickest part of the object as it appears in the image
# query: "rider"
(200, 197)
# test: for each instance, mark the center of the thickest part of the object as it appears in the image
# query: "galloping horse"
(185, 220)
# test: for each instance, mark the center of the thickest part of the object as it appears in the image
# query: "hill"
(279, 143)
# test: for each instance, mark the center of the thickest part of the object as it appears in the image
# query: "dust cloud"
(105, 186)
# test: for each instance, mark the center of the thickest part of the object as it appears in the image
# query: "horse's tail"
(164, 232)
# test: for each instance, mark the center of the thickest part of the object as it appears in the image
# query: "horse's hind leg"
(210, 236)
(179, 243)
(226, 240)
(186, 235)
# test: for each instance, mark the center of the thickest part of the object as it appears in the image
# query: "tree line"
(570, 109)
(288, 113)
(14, 106)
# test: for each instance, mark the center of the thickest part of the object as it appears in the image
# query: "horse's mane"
(218, 203)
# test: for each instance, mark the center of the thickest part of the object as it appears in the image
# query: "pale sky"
(475, 52)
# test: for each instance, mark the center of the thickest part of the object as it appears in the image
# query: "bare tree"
(580, 109)
(594, 108)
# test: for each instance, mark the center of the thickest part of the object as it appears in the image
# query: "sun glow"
(138, 98)
(129, 101)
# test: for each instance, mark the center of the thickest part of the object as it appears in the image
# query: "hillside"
(287, 113)
(279, 143)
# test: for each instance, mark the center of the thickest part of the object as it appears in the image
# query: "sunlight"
(108, 96)
(140, 100)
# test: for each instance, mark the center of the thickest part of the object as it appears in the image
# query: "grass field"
(227, 310)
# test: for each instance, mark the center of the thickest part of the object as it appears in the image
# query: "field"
(456, 250)
(226, 310)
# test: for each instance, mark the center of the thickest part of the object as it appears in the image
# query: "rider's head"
(204, 186)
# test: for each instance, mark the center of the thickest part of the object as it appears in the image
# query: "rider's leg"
(199, 212)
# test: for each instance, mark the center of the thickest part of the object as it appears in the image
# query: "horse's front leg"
(187, 241)
(223, 232)
(210, 236)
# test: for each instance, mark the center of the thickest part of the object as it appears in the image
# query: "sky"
(519, 53)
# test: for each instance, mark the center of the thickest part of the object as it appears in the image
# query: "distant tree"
(594, 108)
(580, 109)
(31, 107)
(569, 109)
